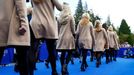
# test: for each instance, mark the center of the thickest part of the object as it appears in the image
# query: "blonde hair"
(85, 19)
(66, 10)
(64, 16)
(98, 25)
(110, 28)
(38, 1)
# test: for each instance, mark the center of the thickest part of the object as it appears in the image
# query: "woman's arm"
(21, 11)
(57, 4)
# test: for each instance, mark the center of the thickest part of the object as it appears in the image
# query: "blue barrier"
(43, 53)
(8, 56)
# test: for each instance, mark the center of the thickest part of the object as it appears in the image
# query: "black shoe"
(16, 68)
(80, 61)
(72, 62)
(97, 65)
(65, 73)
(86, 65)
(65, 70)
(91, 59)
(107, 62)
(82, 67)
(35, 68)
(55, 73)
(47, 65)
(110, 59)
(114, 59)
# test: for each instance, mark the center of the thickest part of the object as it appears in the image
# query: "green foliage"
(93, 17)
(131, 39)
(125, 34)
(123, 37)
(78, 12)
(124, 28)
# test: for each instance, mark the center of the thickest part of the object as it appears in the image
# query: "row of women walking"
(96, 39)
(15, 31)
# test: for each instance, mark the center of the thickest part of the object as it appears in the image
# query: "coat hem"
(47, 38)
(3, 44)
(19, 44)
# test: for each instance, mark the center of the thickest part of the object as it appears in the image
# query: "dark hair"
(104, 25)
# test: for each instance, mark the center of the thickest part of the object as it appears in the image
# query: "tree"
(123, 38)
(78, 12)
(93, 16)
(125, 34)
(108, 21)
(130, 39)
(114, 27)
(124, 28)
(85, 8)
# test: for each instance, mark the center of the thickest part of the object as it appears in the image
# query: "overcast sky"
(116, 9)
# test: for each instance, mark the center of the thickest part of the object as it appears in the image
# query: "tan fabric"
(66, 39)
(112, 38)
(43, 22)
(101, 40)
(10, 23)
(85, 35)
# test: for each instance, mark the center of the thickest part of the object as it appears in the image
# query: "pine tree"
(108, 21)
(78, 12)
(124, 28)
(85, 8)
(130, 39)
(93, 16)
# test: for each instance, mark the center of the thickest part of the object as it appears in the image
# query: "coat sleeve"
(59, 25)
(93, 35)
(21, 11)
(115, 39)
(72, 25)
(78, 30)
(57, 4)
(106, 37)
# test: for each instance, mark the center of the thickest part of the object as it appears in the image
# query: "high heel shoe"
(55, 73)
(65, 70)
(97, 65)
(86, 65)
(82, 67)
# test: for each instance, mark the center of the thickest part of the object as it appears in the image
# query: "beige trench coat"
(112, 39)
(43, 22)
(101, 40)
(12, 16)
(85, 34)
(66, 40)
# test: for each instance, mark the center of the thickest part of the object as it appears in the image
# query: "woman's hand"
(22, 30)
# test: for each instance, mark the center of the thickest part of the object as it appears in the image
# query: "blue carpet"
(121, 67)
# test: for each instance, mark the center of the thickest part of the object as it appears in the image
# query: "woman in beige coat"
(113, 43)
(101, 40)
(107, 51)
(44, 26)
(66, 42)
(14, 30)
(86, 39)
